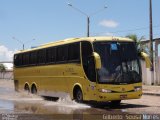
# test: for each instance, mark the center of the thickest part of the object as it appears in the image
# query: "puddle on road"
(66, 102)
(24, 103)
(7, 92)
(28, 103)
(6, 105)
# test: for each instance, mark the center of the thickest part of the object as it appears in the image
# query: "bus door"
(89, 69)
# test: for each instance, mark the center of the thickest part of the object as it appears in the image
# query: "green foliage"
(2, 68)
(140, 46)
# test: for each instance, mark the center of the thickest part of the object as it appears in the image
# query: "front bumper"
(104, 97)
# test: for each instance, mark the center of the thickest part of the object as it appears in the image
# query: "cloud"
(108, 34)
(6, 54)
(109, 23)
(104, 34)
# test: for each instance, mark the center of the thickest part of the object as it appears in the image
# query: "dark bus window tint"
(51, 55)
(33, 57)
(25, 58)
(86, 49)
(62, 53)
(20, 60)
(41, 54)
(16, 60)
(88, 61)
(74, 52)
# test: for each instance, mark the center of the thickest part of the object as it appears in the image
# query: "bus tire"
(115, 102)
(34, 89)
(78, 96)
(26, 88)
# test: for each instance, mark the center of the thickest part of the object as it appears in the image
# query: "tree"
(140, 46)
(2, 70)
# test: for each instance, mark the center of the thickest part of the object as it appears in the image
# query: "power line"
(137, 29)
(130, 30)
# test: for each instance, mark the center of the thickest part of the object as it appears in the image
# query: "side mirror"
(147, 59)
(97, 60)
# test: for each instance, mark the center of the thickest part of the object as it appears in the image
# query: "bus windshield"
(120, 63)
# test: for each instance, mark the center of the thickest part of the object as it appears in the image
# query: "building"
(8, 74)
(152, 77)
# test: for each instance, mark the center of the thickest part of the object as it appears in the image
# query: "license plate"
(123, 96)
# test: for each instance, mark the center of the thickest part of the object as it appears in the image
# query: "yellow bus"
(87, 69)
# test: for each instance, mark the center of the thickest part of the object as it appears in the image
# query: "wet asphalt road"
(23, 106)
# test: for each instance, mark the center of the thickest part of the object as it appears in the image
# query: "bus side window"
(88, 61)
(41, 54)
(51, 55)
(33, 58)
(16, 60)
(20, 60)
(25, 59)
(62, 53)
(74, 52)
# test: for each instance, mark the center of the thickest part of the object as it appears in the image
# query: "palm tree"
(2, 70)
(140, 46)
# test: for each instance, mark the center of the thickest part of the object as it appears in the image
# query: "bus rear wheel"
(26, 88)
(79, 96)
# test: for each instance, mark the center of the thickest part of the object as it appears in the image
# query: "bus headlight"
(105, 91)
(138, 88)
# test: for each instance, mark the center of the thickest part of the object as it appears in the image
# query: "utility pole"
(23, 43)
(88, 26)
(151, 41)
(87, 16)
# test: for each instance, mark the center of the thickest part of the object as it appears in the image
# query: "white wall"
(6, 75)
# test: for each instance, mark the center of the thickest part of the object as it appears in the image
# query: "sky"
(35, 22)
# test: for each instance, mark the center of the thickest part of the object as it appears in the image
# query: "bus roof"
(72, 40)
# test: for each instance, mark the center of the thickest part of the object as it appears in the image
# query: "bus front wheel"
(78, 96)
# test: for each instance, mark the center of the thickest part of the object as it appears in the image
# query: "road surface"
(24, 106)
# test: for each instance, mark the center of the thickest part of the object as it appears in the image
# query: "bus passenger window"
(51, 55)
(22, 62)
(74, 52)
(25, 59)
(62, 54)
(88, 61)
(41, 54)
(16, 60)
(33, 58)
